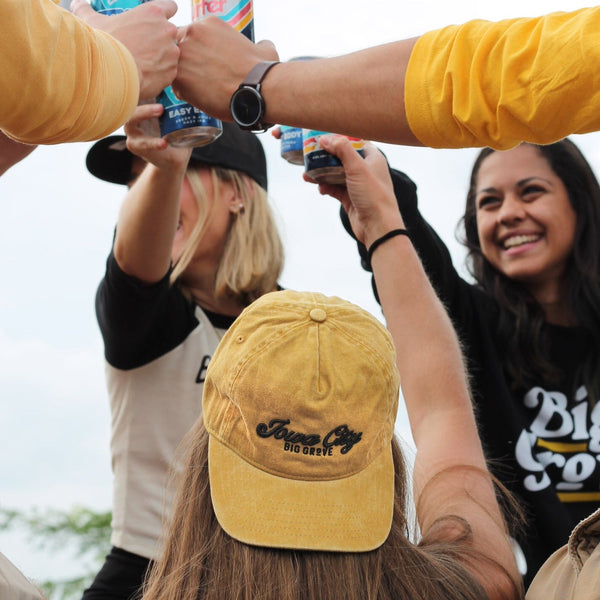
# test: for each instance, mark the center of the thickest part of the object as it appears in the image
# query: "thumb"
(168, 6)
(341, 147)
(268, 50)
(83, 10)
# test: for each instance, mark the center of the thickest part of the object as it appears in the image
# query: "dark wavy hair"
(520, 317)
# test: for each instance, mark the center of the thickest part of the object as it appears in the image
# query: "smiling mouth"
(519, 240)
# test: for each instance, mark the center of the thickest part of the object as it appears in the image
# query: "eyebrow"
(520, 183)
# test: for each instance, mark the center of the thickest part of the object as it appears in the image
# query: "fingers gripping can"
(182, 124)
(319, 164)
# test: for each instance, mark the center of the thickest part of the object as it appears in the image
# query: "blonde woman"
(195, 243)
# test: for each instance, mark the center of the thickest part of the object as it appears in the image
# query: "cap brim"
(353, 514)
(110, 160)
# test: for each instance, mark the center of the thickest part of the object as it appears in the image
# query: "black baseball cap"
(236, 149)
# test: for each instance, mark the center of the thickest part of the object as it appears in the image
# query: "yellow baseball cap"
(300, 402)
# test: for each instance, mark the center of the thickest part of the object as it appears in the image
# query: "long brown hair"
(201, 562)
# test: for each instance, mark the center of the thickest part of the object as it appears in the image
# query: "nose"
(512, 210)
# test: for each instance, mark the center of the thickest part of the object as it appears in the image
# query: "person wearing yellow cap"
(295, 485)
(476, 84)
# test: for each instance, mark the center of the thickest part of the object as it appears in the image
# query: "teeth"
(518, 240)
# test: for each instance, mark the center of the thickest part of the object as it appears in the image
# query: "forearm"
(450, 477)
(61, 81)
(359, 94)
(426, 343)
(147, 224)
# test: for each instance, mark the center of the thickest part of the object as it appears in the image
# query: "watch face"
(246, 106)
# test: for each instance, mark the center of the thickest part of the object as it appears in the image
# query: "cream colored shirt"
(497, 84)
(153, 407)
(60, 80)
(14, 585)
(573, 571)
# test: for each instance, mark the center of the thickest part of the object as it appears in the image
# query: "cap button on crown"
(318, 315)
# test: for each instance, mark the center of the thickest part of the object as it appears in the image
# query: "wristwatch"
(247, 105)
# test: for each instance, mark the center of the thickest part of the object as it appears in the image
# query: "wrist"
(383, 239)
(380, 226)
(247, 105)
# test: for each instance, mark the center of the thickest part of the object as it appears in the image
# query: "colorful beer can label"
(115, 7)
(237, 13)
(181, 115)
(316, 157)
(291, 144)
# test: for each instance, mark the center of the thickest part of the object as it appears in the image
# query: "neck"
(198, 283)
(223, 306)
(554, 303)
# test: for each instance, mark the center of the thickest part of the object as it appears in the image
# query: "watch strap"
(257, 73)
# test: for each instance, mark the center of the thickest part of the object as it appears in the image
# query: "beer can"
(237, 13)
(291, 144)
(114, 7)
(319, 164)
(182, 124)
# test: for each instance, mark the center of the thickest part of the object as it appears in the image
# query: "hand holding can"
(320, 165)
(182, 124)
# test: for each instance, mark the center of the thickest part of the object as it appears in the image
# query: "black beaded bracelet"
(384, 238)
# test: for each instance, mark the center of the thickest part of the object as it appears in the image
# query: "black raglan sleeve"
(139, 321)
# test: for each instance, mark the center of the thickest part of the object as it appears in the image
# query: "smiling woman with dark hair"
(530, 327)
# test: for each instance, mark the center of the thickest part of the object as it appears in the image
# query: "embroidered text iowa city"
(310, 443)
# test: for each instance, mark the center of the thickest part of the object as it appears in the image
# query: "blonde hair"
(252, 258)
(201, 562)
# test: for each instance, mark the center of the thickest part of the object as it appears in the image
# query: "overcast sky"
(56, 233)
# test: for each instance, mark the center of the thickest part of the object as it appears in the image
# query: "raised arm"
(476, 84)
(147, 33)
(450, 473)
(149, 214)
(63, 81)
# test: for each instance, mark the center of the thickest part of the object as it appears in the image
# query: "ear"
(234, 199)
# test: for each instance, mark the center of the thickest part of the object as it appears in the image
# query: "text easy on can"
(319, 164)
(182, 124)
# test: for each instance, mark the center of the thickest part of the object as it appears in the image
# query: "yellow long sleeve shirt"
(60, 80)
(497, 84)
